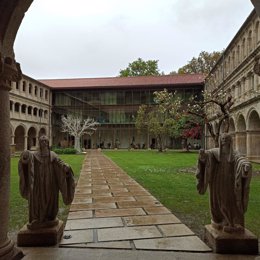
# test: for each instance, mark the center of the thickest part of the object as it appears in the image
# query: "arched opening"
(31, 138)
(253, 136)
(42, 132)
(19, 138)
(241, 135)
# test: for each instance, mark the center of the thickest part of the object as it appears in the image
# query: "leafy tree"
(203, 64)
(77, 127)
(177, 122)
(141, 68)
(158, 117)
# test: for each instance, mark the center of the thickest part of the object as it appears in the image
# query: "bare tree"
(213, 108)
(77, 127)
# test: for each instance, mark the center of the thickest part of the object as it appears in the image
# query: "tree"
(151, 119)
(213, 108)
(77, 127)
(203, 64)
(157, 118)
(141, 68)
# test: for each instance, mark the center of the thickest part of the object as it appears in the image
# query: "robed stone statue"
(228, 175)
(42, 176)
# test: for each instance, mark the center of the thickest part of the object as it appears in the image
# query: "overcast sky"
(98, 38)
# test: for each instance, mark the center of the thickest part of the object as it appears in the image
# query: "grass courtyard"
(19, 207)
(168, 176)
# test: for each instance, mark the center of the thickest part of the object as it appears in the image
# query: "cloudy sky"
(98, 38)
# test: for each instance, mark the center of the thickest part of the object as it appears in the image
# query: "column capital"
(9, 71)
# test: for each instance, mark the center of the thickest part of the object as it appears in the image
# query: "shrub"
(64, 150)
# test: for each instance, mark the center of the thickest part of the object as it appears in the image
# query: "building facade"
(30, 113)
(237, 74)
(114, 102)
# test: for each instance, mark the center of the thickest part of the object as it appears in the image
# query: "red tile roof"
(125, 82)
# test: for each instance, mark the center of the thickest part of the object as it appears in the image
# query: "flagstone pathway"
(111, 210)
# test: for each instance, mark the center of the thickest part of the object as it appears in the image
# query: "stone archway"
(31, 138)
(42, 132)
(253, 136)
(19, 136)
(241, 135)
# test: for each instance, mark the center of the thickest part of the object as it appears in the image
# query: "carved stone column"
(25, 142)
(9, 70)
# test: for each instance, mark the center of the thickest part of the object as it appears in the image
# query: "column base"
(231, 243)
(10, 252)
(40, 237)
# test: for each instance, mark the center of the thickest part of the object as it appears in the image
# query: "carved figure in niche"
(42, 176)
(228, 176)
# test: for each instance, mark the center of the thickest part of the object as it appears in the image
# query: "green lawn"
(170, 178)
(19, 206)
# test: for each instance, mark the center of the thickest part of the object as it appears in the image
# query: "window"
(35, 110)
(36, 91)
(41, 92)
(30, 88)
(16, 107)
(29, 110)
(249, 40)
(40, 113)
(17, 85)
(46, 94)
(23, 109)
(24, 86)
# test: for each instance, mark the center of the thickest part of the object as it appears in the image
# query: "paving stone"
(151, 220)
(115, 245)
(98, 195)
(81, 200)
(93, 223)
(145, 198)
(137, 204)
(157, 210)
(78, 236)
(83, 191)
(122, 194)
(175, 230)
(118, 189)
(100, 187)
(114, 199)
(83, 186)
(101, 191)
(188, 243)
(80, 214)
(75, 207)
(127, 233)
(98, 182)
(119, 212)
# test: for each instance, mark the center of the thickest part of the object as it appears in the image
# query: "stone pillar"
(9, 71)
(25, 142)
(241, 141)
(253, 142)
(6, 245)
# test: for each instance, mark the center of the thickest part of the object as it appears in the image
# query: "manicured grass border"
(170, 178)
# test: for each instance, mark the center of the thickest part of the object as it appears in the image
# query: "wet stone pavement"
(112, 211)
